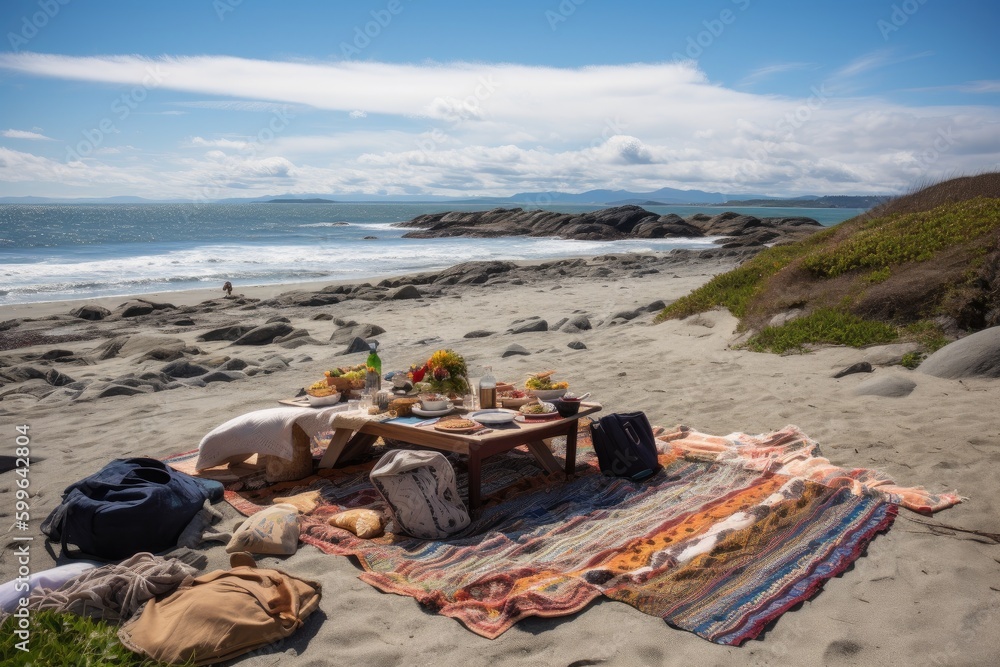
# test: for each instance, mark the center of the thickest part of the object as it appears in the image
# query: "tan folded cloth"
(221, 615)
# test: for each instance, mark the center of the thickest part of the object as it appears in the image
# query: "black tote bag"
(625, 446)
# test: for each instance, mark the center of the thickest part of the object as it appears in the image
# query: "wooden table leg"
(336, 447)
(571, 449)
(475, 481)
(543, 455)
(356, 448)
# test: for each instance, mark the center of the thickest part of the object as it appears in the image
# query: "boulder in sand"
(529, 327)
(977, 355)
(357, 345)
(405, 292)
(225, 333)
(264, 334)
(90, 312)
(893, 386)
(182, 368)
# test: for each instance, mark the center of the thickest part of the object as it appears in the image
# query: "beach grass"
(827, 326)
(881, 276)
(68, 639)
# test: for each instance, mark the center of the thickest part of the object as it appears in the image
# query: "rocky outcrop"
(620, 222)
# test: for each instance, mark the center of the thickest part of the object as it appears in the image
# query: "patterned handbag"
(420, 491)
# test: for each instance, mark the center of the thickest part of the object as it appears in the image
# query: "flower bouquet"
(445, 373)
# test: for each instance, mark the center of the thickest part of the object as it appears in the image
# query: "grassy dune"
(915, 268)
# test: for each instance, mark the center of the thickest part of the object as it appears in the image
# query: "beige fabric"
(273, 530)
(114, 592)
(221, 615)
(356, 419)
(305, 502)
(366, 524)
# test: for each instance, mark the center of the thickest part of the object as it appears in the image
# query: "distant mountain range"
(661, 197)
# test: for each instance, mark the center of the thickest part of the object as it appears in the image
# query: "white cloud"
(481, 128)
(25, 134)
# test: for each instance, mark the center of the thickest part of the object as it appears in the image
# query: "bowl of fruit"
(541, 386)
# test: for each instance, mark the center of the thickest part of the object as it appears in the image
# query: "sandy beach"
(919, 596)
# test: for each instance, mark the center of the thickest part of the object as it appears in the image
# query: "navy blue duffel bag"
(625, 446)
(128, 506)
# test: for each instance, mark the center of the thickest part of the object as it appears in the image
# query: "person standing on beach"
(228, 289)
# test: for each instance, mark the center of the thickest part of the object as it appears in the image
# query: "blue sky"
(219, 98)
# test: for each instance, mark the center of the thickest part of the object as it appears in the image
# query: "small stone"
(322, 316)
(860, 367)
(479, 333)
(576, 345)
(184, 322)
(278, 318)
(513, 350)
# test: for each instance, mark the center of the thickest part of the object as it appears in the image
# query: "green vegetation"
(737, 288)
(882, 276)
(67, 639)
(826, 325)
(911, 237)
(912, 359)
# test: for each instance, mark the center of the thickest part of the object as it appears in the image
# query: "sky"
(211, 99)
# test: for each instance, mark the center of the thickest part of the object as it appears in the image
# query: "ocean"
(67, 251)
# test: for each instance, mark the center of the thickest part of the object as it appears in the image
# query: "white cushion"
(260, 432)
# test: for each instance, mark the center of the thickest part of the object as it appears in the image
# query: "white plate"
(497, 416)
(420, 412)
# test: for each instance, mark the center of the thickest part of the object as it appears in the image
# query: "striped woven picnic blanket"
(732, 533)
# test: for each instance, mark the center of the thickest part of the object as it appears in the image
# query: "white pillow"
(261, 432)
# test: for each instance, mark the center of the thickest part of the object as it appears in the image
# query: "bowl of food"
(320, 393)
(539, 410)
(514, 398)
(433, 402)
(566, 407)
(542, 387)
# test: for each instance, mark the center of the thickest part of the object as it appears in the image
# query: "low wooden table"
(348, 445)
